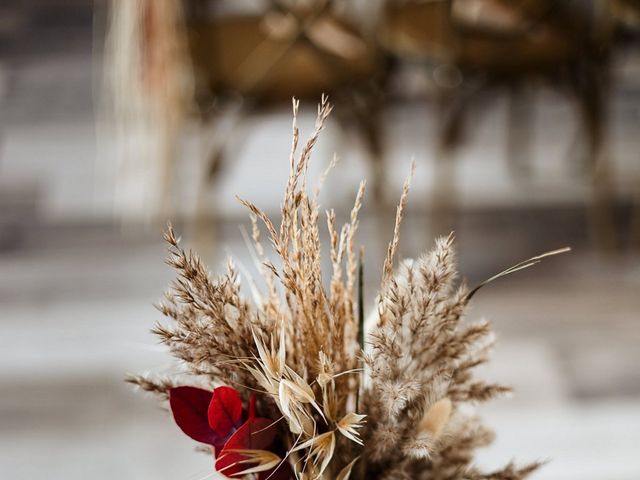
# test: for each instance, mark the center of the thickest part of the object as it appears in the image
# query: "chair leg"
(205, 218)
(634, 228)
(367, 111)
(443, 198)
(519, 133)
(215, 158)
(602, 209)
(369, 117)
(166, 191)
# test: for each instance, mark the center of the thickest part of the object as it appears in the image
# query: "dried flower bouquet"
(295, 387)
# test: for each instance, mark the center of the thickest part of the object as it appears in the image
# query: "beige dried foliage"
(402, 407)
(259, 460)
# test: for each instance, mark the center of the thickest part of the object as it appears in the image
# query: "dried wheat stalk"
(399, 408)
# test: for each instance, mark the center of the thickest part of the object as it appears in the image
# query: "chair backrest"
(281, 51)
(418, 29)
(509, 35)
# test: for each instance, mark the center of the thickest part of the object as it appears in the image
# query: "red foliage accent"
(252, 405)
(254, 434)
(283, 472)
(225, 412)
(216, 418)
(189, 407)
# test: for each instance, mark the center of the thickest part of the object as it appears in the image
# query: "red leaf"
(225, 411)
(252, 406)
(283, 472)
(189, 407)
(254, 434)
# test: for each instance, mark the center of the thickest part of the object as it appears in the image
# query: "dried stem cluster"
(401, 407)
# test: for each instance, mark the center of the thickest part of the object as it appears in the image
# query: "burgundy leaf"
(225, 411)
(189, 407)
(252, 406)
(254, 434)
(282, 472)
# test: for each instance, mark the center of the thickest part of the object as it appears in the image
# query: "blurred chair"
(626, 15)
(475, 47)
(625, 18)
(298, 48)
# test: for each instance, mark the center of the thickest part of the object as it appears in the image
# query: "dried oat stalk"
(402, 408)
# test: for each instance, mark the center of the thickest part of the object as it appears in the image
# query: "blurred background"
(116, 116)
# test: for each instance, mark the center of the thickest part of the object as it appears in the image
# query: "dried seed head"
(436, 418)
(349, 425)
(320, 450)
(263, 460)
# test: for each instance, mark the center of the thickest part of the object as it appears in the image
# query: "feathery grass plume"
(401, 406)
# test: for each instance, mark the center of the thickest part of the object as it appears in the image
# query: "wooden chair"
(481, 46)
(303, 51)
